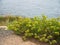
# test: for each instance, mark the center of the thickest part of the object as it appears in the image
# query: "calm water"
(30, 8)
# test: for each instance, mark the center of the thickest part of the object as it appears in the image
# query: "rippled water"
(30, 8)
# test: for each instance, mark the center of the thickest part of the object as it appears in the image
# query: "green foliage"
(41, 28)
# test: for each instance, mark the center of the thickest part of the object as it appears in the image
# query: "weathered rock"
(8, 37)
(3, 27)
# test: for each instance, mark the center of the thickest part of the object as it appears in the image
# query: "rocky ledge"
(7, 37)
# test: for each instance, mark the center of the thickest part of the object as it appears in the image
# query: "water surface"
(30, 8)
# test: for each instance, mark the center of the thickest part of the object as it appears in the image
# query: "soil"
(9, 38)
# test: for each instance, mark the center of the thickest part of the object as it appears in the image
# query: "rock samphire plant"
(41, 28)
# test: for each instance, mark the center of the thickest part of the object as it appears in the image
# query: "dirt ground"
(9, 38)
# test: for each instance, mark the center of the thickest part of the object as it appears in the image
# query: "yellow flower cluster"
(41, 28)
